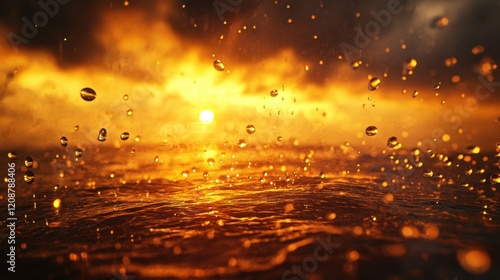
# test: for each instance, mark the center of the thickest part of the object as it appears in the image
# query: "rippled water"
(260, 213)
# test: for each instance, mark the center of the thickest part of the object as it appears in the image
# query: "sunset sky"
(161, 54)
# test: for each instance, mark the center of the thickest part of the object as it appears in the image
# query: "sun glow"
(206, 116)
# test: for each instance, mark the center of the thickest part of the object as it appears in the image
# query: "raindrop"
(274, 93)
(355, 64)
(211, 161)
(279, 138)
(78, 152)
(437, 86)
(392, 142)
(250, 129)
(219, 66)
(374, 84)
(29, 177)
(185, 173)
(415, 94)
(124, 136)
(495, 178)
(472, 150)
(371, 130)
(450, 61)
(242, 143)
(130, 112)
(63, 141)
(468, 170)
(428, 173)
(125, 97)
(12, 155)
(76, 128)
(157, 159)
(28, 162)
(102, 135)
(410, 64)
(440, 22)
(87, 94)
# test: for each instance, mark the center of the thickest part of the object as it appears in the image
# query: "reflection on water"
(256, 213)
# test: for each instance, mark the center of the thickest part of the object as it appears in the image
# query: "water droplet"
(392, 142)
(450, 61)
(415, 94)
(219, 66)
(274, 93)
(130, 112)
(468, 170)
(279, 138)
(157, 159)
(440, 22)
(211, 161)
(428, 173)
(185, 173)
(12, 155)
(28, 162)
(371, 130)
(88, 94)
(29, 177)
(125, 97)
(124, 136)
(102, 135)
(76, 128)
(355, 64)
(63, 141)
(495, 178)
(242, 143)
(78, 152)
(472, 150)
(205, 174)
(437, 86)
(374, 84)
(477, 50)
(250, 129)
(410, 64)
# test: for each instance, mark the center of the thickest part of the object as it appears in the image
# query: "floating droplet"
(415, 94)
(477, 50)
(242, 143)
(450, 61)
(428, 173)
(29, 177)
(185, 173)
(211, 161)
(495, 178)
(219, 66)
(274, 93)
(63, 141)
(102, 135)
(472, 150)
(440, 22)
(250, 129)
(76, 128)
(28, 162)
(371, 130)
(157, 159)
(87, 94)
(392, 142)
(410, 64)
(130, 112)
(125, 97)
(279, 138)
(374, 84)
(78, 152)
(437, 86)
(124, 136)
(468, 170)
(355, 64)
(12, 155)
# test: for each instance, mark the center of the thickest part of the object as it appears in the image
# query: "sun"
(206, 116)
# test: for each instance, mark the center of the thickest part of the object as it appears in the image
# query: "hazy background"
(160, 54)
